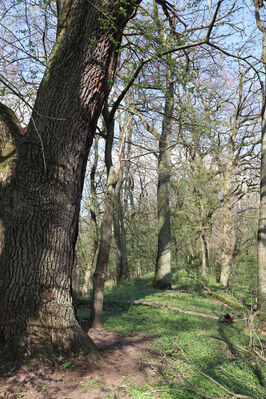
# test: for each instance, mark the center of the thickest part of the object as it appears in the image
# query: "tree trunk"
(124, 179)
(262, 212)
(228, 238)
(101, 269)
(262, 209)
(100, 273)
(76, 278)
(162, 277)
(40, 201)
(204, 254)
(85, 287)
(120, 240)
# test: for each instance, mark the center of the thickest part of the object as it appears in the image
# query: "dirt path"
(120, 361)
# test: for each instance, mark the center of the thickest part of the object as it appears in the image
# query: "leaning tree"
(42, 171)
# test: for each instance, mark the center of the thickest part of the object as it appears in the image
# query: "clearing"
(149, 352)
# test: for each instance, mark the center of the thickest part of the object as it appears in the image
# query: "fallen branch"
(233, 395)
(237, 346)
(224, 300)
(157, 305)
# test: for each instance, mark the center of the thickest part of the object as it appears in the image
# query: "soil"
(118, 362)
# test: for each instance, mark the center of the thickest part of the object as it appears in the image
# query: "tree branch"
(8, 116)
(213, 20)
(157, 305)
(237, 346)
(257, 17)
(167, 52)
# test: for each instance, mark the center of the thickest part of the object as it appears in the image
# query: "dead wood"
(157, 305)
(255, 353)
(225, 301)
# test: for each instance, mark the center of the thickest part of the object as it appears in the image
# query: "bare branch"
(257, 17)
(213, 20)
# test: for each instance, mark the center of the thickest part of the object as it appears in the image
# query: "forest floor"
(157, 345)
(119, 362)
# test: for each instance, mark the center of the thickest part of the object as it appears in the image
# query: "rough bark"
(162, 277)
(40, 200)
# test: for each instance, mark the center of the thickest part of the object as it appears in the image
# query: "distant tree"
(262, 214)
(93, 221)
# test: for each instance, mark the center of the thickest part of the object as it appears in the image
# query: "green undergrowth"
(187, 363)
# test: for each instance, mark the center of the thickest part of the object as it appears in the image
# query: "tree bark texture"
(162, 277)
(41, 198)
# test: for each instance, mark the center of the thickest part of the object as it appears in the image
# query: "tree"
(100, 273)
(239, 149)
(262, 211)
(40, 198)
(93, 219)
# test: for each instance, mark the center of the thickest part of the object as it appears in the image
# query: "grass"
(87, 385)
(191, 365)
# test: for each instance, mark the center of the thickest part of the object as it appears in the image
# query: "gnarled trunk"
(41, 198)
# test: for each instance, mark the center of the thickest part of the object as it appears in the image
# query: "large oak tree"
(42, 171)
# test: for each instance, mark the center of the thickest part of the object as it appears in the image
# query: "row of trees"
(207, 118)
(215, 170)
(167, 107)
